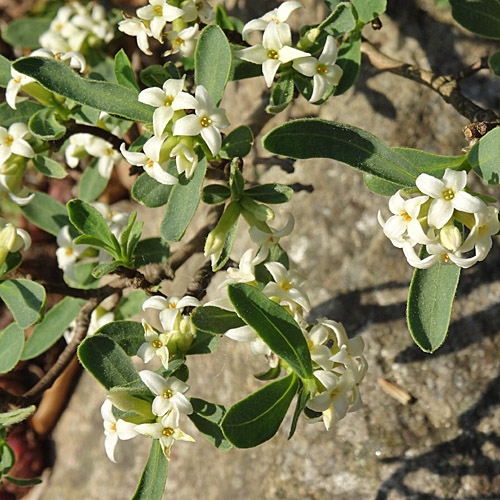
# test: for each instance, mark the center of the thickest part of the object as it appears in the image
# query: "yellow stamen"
(167, 393)
(157, 344)
(448, 194)
(167, 431)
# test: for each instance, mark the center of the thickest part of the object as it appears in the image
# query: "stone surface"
(446, 444)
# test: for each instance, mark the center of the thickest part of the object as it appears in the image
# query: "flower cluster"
(276, 50)
(454, 225)
(69, 253)
(338, 362)
(177, 133)
(158, 419)
(77, 27)
(152, 21)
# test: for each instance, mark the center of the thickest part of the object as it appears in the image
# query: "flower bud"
(124, 401)
(450, 237)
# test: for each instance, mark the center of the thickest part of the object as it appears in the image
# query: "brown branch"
(80, 128)
(447, 87)
(202, 278)
(470, 70)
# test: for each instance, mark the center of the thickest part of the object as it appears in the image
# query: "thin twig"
(448, 88)
(470, 70)
(80, 128)
(202, 278)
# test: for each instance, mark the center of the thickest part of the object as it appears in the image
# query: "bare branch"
(447, 87)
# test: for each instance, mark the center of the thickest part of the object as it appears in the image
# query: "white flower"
(333, 403)
(275, 50)
(487, 225)
(183, 42)
(12, 142)
(169, 308)
(245, 273)
(323, 70)
(169, 393)
(206, 121)
(155, 345)
(277, 16)
(404, 226)
(448, 195)
(117, 221)
(14, 85)
(12, 239)
(114, 429)
(167, 100)
(194, 9)
(158, 12)
(150, 160)
(68, 252)
(437, 253)
(186, 158)
(167, 432)
(287, 287)
(268, 239)
(136, 27)
(94, 22)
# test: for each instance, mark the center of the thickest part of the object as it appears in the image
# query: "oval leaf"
(24, 298)
(213, 194)
(23, 112)
(105, 96)
(281, 95)
(11, 347)
(207, 418)
(123, 71)
(46, 213)
(313, 138)
(270, 193)
(182, 204)
(430, 300)
(274, 325)
(212, 62)
(256, 419)
(349, 59)
(479, 16)
(107, 361)
(26, 32)
(49, 167)
(154, 476)
(151, 193)
(92, 184)
(215, 320)
(238, 143)
(44, 125)
(369, 9)
(129, 335)
(484, 157)
(52, 327)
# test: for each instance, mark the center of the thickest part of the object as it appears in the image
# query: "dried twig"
(447, 87)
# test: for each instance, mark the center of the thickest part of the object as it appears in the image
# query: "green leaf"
(102, 269)
(154, 476)
(23, 112)
(12, 261)
(212, 62)
(340, 21)
(151, 251)
(90, 222)
(130, 305)
(313, 138)
(11, 347)
(4, 72)
(207, 418)
(241, 70)
(172, 71)
(83, 276)
(49, 167)
(281, 95)
(7, 459)
(270, 193)
(92, 184)
(44, 125)
(46, 213)
(182, 204)
(369, 9)
(215, 320)
(484, 157)
(151, 193)
(105, 96)
(494, 63)
(430, 300)
(133, 240)
(237, 144)
(276, 254)
(214, 194)
(25, 32)
(302, 399)
(222, 19)
(275, 326)
(479, 16)
(227, 247)
(24, 298)
(349, 59)
(16, 416)
(129, 335)
(154, 76)
(94, 242)
(203, 343)
(52, 327)
(256, 419)
(270, 374)
(23, 482)
(106, 361)
(123, 71)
